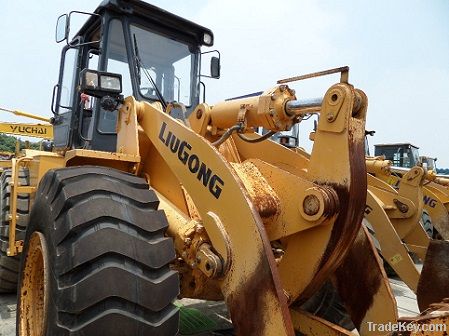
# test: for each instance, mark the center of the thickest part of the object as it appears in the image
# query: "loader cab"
(403, 155)
(428, 162)
(289, 139)
(156, 53)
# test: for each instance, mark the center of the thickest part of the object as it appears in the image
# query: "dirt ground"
(214, 312)
(7, 314)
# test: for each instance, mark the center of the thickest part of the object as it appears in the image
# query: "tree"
(8, 143)
(444, 171)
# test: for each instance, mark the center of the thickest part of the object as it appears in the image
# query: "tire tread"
(9, 266)
(111, 256)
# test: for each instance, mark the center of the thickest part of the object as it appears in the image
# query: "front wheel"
(96, 261)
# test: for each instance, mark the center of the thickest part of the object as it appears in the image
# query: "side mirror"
(73, 22)
(213, 61)
(215, 67)
(62, 28)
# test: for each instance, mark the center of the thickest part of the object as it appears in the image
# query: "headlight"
(100, 84)
(207, 39)
(91, 79)
(110, 83)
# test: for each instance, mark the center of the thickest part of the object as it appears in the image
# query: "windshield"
(414, 157)
(168, 63)
(405, 156)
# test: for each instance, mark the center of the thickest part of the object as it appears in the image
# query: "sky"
(397, 51)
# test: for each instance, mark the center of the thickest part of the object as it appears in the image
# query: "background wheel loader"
(158, 195)
(42, 131)
(9, 266)
(416, 187)
(394, 213)
(435, 192)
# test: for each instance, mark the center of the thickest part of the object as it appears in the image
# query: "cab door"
(66, 99)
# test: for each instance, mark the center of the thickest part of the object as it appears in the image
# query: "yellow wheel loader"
(394, 215)
(435, 194)
(158, 195)
(405, 156)
(41, 130)
(9, 266)
(395, 203)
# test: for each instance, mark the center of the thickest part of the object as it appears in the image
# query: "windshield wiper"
(147, 74)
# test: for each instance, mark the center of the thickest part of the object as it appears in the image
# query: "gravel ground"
(215, 311)
(7, 314)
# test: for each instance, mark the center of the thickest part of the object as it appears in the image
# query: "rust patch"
(352, 205)
(331, 202)
(437, 314)
(247, 307)
(401, 206)
(245, 303)
(264, 198)
(266, 206)
(311, 205)
(433, 285)
(358, 278)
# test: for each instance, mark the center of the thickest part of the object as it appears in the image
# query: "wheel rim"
(33, 292)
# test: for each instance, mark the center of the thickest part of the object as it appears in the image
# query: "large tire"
(9, 266)
(327, 304)
(96, 261)
(426, 223)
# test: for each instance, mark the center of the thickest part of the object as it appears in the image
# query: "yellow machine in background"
(435, 197)
(158, 195)
(405, 231)
(41, 131)
(403, 157)
(44, 131)
(30, 130)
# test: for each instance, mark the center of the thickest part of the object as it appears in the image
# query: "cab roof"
(154, 15)
(397, 145)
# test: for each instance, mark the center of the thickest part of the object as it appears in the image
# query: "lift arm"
(25, 114)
